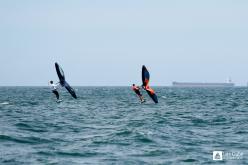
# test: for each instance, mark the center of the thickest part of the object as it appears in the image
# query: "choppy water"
(108, 125)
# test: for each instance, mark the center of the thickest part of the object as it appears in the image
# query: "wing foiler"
(145, 81)
(62, 81)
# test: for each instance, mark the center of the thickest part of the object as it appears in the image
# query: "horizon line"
(111, 86)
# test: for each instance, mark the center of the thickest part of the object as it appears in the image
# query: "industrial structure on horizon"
(199, 84)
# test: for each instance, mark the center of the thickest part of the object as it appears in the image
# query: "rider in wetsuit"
(54, 89)
(136, 89)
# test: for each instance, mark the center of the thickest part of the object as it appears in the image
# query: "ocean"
(108, 125)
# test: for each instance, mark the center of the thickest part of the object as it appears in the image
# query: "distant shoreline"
(166, 86)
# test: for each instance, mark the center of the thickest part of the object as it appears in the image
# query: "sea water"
(108, 125)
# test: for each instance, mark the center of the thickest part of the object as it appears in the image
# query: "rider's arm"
(58, 85)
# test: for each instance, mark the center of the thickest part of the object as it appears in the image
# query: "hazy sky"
(106, 42)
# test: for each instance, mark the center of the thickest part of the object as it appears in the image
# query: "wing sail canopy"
(62, 81)
(145, 76)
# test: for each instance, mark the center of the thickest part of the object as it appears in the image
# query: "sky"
(105, 43)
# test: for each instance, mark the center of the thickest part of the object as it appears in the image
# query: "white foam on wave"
(5, 103)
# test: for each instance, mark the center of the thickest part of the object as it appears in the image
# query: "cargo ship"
(198, 84)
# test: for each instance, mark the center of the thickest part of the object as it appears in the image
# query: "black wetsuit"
(56, 93)
(136, 90)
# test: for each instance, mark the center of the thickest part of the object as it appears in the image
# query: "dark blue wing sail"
(153, 96)
(145, 81)
(60, 73)
(70, 90)
(62, 81)
(145, 76)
